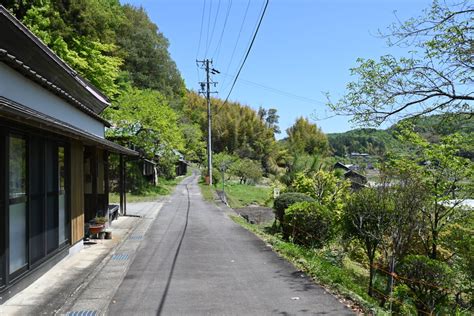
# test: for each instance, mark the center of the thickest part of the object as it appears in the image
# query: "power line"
(214, 25)
(279, 91)
(250, 38)
(202, 24)
(208, 26)
(238, 38)
(248, 51)
(200, 37)
(218, 47)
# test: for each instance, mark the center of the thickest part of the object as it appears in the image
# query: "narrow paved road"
(194, 260)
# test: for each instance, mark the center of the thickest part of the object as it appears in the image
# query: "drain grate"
(82, 313)
(120, 256)
(136, 237)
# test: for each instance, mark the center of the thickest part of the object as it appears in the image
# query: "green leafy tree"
(325, 187)
(428, 280)
(445, 176)
(194, 147)
(409, 197)
(145, 53)
(366, 218)
(459, 241)
(306, 137)
(144, 119)
(93, 59)
(436, 78)
(247, 170)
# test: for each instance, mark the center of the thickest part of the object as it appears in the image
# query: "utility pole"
(206, 64)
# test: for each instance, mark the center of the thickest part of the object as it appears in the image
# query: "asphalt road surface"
(195, 260)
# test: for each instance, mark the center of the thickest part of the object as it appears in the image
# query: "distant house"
(340, 165)
(359, 155)
(150, 171)
(181, 164)
(53, 156)
(358, 181)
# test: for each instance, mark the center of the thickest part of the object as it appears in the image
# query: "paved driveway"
(194, 260)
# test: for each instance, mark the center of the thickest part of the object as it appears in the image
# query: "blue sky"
(303, 49)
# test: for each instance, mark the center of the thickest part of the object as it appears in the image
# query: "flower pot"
(95, 229)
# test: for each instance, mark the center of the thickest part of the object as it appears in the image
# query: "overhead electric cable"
(202, 24)
(279, 91)
(248, 51)
(238, 38)
(218, 47)
(200, 37)
(214, 25)
(254, 28)
(208, 26)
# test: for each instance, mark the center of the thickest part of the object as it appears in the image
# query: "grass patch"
(241, 195)
(207, 191)
(151, 193)
(348, 280)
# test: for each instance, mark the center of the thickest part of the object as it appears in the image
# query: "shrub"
(309, 224)
(428, 281)
(282, 202)
(248, 171)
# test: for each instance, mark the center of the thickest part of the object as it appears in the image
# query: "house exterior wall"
(13, 86)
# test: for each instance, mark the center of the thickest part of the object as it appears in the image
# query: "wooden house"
(53, 156)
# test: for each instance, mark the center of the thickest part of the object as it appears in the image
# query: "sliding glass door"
(18, 220)
(63, 219)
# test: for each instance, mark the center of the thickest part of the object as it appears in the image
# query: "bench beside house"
(53, 157)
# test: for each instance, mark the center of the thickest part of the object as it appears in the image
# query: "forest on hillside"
(378, 142)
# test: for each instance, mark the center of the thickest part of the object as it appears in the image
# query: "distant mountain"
(377, 141)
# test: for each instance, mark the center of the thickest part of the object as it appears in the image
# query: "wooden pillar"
(124, 186)
(106, 179)
(77, 191)
(95, 175)
(121, 184)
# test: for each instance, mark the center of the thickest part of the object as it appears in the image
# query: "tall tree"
(73, 31)
(144, 118)
(146, 56)
(446, 177)
(436, 78)
(304, 136)
(366, 218)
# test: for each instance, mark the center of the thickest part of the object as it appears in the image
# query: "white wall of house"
(20, 89)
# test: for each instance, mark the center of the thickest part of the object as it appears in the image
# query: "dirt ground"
(257, 214)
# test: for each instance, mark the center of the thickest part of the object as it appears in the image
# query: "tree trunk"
(371, 276)
(389, 288)
(434, 246)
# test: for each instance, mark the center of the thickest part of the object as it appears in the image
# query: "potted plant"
(97, 224)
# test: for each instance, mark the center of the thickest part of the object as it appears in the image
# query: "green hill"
(377, 141)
